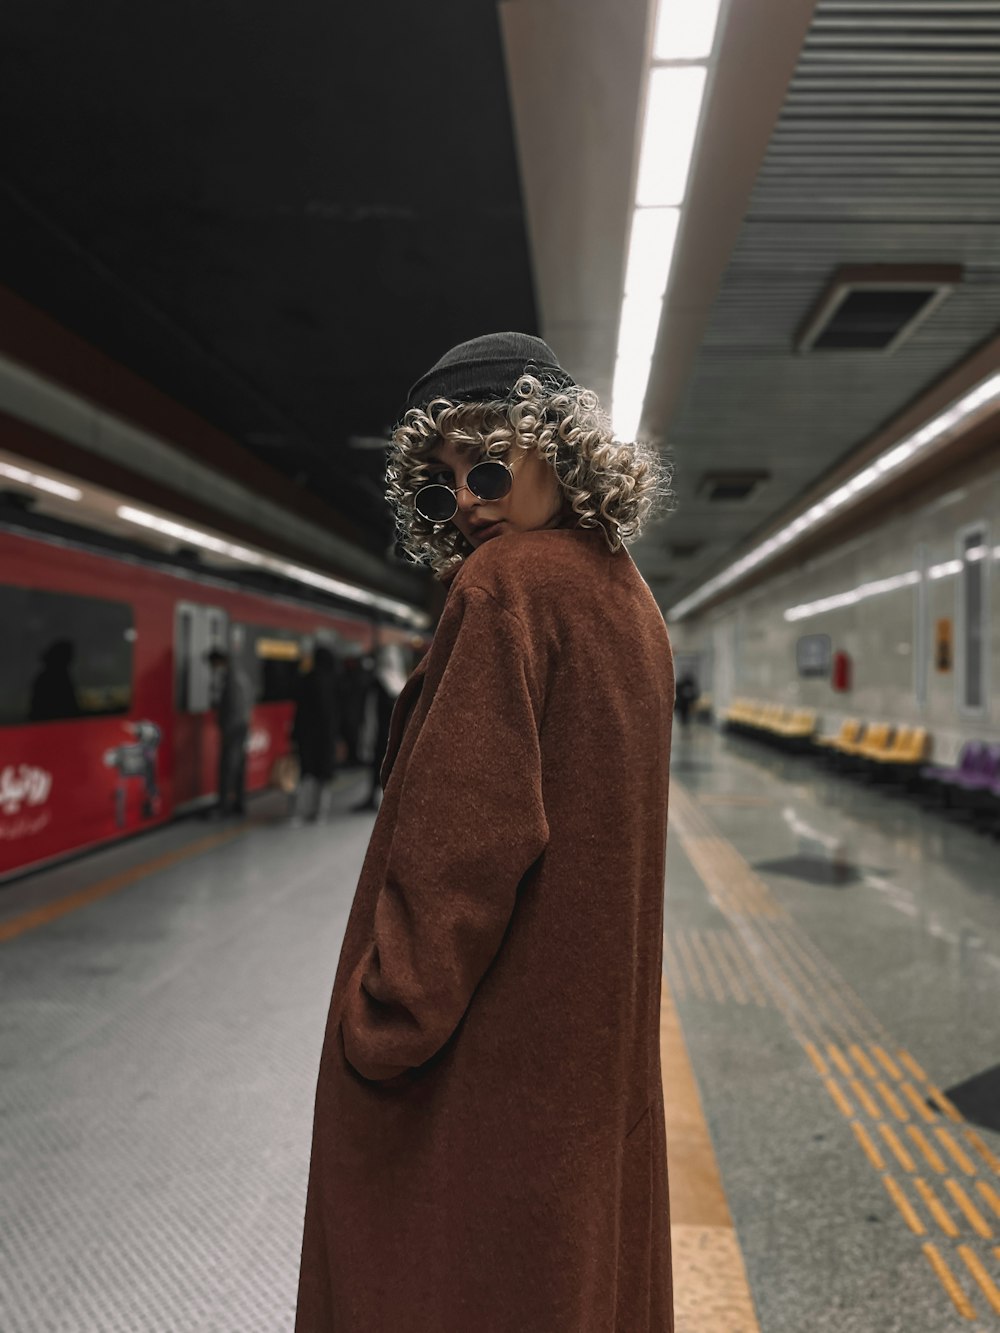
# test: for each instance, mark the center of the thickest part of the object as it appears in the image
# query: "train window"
(71, 658)
(974, 554)
(273, 658)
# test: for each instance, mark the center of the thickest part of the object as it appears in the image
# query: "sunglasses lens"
(435, 503)
(489, 481)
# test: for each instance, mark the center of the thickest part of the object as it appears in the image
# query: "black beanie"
(487, 368)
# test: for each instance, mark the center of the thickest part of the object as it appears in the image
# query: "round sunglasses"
(489, 480)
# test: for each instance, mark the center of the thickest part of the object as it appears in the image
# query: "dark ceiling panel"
(278, 215)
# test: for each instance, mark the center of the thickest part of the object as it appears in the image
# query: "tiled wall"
(748, 646)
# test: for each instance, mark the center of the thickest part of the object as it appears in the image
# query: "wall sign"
(813, 655)
(944, 649)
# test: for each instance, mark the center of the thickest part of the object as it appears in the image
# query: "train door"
(197, 630)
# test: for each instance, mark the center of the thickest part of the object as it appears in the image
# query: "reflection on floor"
(830, 1062)
(823, 1029)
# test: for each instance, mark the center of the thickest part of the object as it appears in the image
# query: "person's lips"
(483, 531)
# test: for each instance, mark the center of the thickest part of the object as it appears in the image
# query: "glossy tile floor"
(834, 952)
(833, 955)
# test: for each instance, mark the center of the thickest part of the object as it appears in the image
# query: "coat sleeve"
(470, 822)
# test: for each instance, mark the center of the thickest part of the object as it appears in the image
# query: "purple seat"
(987, 774)
(971, 760)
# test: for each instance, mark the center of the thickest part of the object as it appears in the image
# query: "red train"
(106, 722)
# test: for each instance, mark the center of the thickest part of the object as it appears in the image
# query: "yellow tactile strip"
(902, 1122)
(712, 964)
(711, 1293)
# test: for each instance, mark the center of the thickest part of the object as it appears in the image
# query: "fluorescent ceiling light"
(651, 248)
(685, 29)
(299, 573)
(875, 473)
(40, 483)
(640, 323)
(672, 107)
(853, 595)
(627, 396)
(945, 570)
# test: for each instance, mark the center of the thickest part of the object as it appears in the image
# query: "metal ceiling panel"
(887, 150)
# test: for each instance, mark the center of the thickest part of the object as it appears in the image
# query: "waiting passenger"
(315, 731)
(388, 680)
(687, 696)
(53, 694)
(488, 1148)
(234, 706)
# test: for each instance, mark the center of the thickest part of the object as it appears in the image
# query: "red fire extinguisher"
(841, 675)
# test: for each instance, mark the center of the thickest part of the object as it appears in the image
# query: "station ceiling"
(280, 216)
(886, 152)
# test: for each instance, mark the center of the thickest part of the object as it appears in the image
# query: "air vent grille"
(731, 485)
(875, 308)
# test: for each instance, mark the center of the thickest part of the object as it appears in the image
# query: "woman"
(488, 1152)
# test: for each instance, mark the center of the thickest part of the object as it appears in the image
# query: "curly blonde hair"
(605, 483)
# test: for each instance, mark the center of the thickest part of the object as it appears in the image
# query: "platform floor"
(831, 1028)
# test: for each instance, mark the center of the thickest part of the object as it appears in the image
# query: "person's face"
(534, 500)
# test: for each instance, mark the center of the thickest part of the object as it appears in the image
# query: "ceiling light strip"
(675, 89)
(261, 560)
(40, 483)
(979, 400)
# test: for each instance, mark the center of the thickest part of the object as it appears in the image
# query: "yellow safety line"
(990, 1195)
(904, 1206)
(862, 1061)
(673, 969)
(746, 969)
(706, 1252)
(700, 951)
(975, 1217)
(899, 1152)
(960, 1156)
(844, 1105)
(981, 1148)
(986, 1283)
(724, 963)
(905, 1058)
(865, 1098)
(694, 976)
(927, 1148)
(918, 1103)
(43, 916)
(887, 1062)
(936, 1208)
(838, 1059)
(945, 1103)
(892, 1101)
(817, 1059)
(869, 1149)
(948, 1280)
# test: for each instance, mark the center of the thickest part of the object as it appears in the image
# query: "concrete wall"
(879, 597)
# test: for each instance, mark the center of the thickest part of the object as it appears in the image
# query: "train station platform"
(830, 1028)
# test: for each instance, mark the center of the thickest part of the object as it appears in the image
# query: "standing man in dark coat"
(315, 732)
(489, 1152)
(388, 679)
(233, 711)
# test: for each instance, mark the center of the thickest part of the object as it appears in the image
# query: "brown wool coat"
(488, 1153)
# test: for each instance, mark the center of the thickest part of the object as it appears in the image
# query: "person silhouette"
(53, 693)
